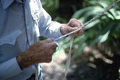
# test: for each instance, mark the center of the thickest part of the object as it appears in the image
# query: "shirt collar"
(7, 3)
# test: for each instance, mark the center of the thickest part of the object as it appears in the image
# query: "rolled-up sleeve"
(49, 28)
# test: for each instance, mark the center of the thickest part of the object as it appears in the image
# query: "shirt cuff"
(9, 68)
(55, 31)
(32, 67)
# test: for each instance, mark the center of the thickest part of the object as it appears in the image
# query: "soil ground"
(90, 65)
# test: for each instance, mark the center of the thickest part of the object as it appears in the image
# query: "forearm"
(52, 30)
(49, 28)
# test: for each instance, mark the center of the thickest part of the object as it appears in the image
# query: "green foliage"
(102, 29)
(51, 7)
(61, 10)
(105, 29)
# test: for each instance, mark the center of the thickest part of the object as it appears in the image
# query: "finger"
(47, 41)
(50, 52)
(48, 59)
(56, 43)
(52, 48)
(50, 45)
(47, 46)
(53, 45)
(70, 29)
(72, 22)
(80, 32)
(44, 42)
(81, 24)
(44, 59)
(75, 23)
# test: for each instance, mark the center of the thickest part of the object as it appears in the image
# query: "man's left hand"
(72, 25)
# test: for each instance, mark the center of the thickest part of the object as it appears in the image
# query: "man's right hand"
(39, 52)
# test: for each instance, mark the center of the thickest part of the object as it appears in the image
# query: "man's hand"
(72, 25)
(39, 52)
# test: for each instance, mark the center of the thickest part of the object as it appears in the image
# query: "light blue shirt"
(21, 24)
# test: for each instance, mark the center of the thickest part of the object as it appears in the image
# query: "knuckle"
(73, 19)
(32, 46)
(54, 45)
(81, 24)
(49, 40)
(81, 33)
(52, 51)
(40, 42)
(49, 60)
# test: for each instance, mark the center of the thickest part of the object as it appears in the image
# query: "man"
(21, 24)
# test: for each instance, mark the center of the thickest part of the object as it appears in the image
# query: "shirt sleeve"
(49, 28)
(9, 68)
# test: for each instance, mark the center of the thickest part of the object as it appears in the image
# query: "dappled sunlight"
(55, 69)
(96, 54)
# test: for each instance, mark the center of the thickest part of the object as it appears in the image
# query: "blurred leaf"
(80, 39)
(104, 37)
(116, 31)
(92, 24)
(86, 12)
(79, 51)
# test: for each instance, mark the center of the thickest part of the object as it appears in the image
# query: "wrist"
(24, 60)
(62, 29)
(19, 61)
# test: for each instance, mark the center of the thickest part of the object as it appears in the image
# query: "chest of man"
(19, 27)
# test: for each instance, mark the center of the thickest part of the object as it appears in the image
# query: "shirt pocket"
(11, 38)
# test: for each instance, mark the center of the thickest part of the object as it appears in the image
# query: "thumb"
(70, 29)
(46, 41)
(39, 43)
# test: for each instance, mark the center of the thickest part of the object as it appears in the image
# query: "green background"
(103, 34)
